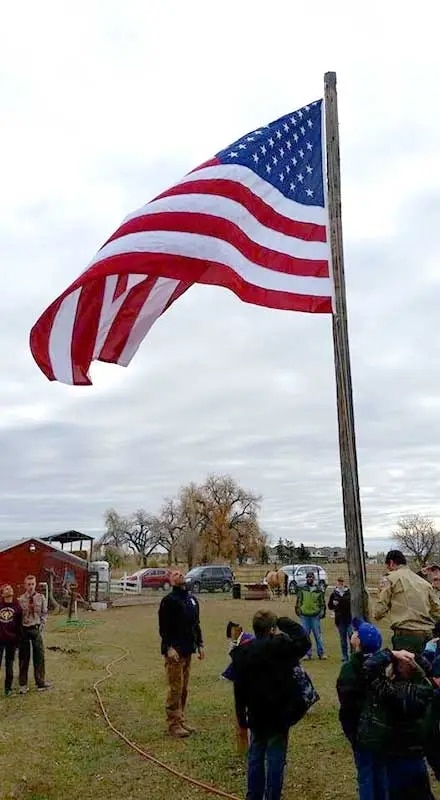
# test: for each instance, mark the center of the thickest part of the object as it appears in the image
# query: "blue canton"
(287, 153)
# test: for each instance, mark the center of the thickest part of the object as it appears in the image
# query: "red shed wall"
(19, 561)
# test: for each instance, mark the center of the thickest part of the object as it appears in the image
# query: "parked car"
(151, 578)
(297, 574)
(209, 578)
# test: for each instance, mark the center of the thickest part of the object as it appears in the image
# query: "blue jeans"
(371, 775)
(345, 634)
(312, 625)
(270, 750)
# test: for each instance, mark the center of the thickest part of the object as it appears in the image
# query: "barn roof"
(8, 545)
(67, 537)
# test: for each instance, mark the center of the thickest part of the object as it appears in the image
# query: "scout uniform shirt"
(410, 600)
(34, 609)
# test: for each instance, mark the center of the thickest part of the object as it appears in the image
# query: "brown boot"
(178, 732)
(188, 728)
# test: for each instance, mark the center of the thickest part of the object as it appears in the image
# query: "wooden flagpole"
(344, 392)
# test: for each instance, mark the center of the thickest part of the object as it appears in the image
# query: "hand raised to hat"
(403, 655)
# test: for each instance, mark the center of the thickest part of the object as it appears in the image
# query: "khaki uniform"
(412, 605)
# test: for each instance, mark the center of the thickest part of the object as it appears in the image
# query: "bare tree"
(143, 535)
(139, 533)
(116, 530)
(417, 537)
(170, 527)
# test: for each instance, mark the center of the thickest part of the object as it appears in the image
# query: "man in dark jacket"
(11, 626)
(340, 603)
(179, 629)
(265, 699)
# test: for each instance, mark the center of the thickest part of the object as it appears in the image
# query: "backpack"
(306, 694)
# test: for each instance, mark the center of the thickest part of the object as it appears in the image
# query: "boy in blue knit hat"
(352, 689)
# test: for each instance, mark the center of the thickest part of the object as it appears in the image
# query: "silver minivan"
(297, 574)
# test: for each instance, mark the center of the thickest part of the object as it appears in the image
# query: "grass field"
(55, 746)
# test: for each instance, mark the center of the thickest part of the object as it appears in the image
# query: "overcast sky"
(105, 104)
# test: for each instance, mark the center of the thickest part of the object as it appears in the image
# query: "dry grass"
(55, 746)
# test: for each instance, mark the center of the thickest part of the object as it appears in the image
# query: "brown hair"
(30, 578)
(263, 622)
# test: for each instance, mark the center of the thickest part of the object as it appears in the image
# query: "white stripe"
(60, 339)
(239, 215)
(110, 308)
(150, 311)
(208, 248)
(264, 190)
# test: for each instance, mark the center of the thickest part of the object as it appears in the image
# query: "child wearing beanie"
(352, 690)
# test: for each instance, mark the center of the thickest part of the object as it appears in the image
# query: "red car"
(152, 578)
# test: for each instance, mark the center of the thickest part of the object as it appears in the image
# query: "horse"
(277, 583)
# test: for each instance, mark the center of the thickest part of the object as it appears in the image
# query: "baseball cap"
(369, 636)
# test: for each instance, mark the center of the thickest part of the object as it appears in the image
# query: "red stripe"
(39, 337)
(85, 330)
(124, 320)
(193, 270)
(121, 286)
(263, 212)
(217, 227)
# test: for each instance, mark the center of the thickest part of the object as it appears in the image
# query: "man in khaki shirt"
(411, 602)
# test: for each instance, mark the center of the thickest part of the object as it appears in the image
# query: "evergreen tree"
(281, 552)
(302, 553)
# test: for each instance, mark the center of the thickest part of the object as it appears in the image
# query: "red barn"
(35, 557)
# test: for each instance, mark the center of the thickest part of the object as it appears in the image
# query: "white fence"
(124, 586)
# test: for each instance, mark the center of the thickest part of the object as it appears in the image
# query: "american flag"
(253, 219)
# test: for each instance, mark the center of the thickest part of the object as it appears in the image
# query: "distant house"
(36, 557)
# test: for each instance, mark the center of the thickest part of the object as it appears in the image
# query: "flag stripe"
(273, 219)
(265, 191)
(202, 249)
(85, 329)
(222, 229)
(111, 303)
(153, 306)
(277, 217)
(60, 340)
(124, 320)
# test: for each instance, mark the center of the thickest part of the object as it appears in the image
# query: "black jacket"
(351, 687)
(393, 720)
(179, 622)
(266, 694)
(341, 605)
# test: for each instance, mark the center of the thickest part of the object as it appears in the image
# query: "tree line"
(214, 520)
